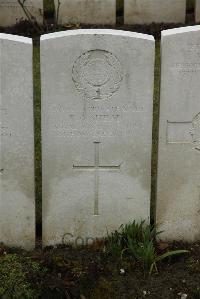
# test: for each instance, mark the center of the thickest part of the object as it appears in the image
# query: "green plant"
(196, 294)
(114, 243)
(138, 240)
(140, 232)
(164, 256)
(130, 236)
(143, 252)
(17, 273)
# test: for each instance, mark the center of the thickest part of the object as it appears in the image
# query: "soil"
(91, 273)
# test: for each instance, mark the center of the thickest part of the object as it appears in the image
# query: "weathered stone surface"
(197, 11)
(11, 12)
(86, 12)
(17, 206)
(154, 11)
(178, 198)
(97, 89)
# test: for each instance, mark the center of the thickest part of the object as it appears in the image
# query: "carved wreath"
(97, 74)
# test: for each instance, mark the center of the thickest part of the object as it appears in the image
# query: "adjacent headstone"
(86, 12)
(11, 12)
(197, 11)
(154, 11)
(17, 206)
(97, 90)
(178, 197)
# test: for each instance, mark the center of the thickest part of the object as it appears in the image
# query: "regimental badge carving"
(196, 131)
(97, 74)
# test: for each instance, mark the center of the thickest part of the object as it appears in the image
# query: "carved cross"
(96, 168)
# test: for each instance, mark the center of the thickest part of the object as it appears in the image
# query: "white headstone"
(11, 12)
(17, 206)
(154, 11)
(97, 90)
(86, 12)
(197, 11)
(178, 198)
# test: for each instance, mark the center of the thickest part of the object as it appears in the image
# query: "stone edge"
(112, 32)
(180, 30)
(15, 38)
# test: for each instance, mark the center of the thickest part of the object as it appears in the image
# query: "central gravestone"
(96, 126)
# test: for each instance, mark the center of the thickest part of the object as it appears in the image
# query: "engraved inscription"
(72, 124)
(97, 167)
(194, 49)
(187, 67)
(97, 74)
(192, 63)
(95, 132)
(103, 120)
